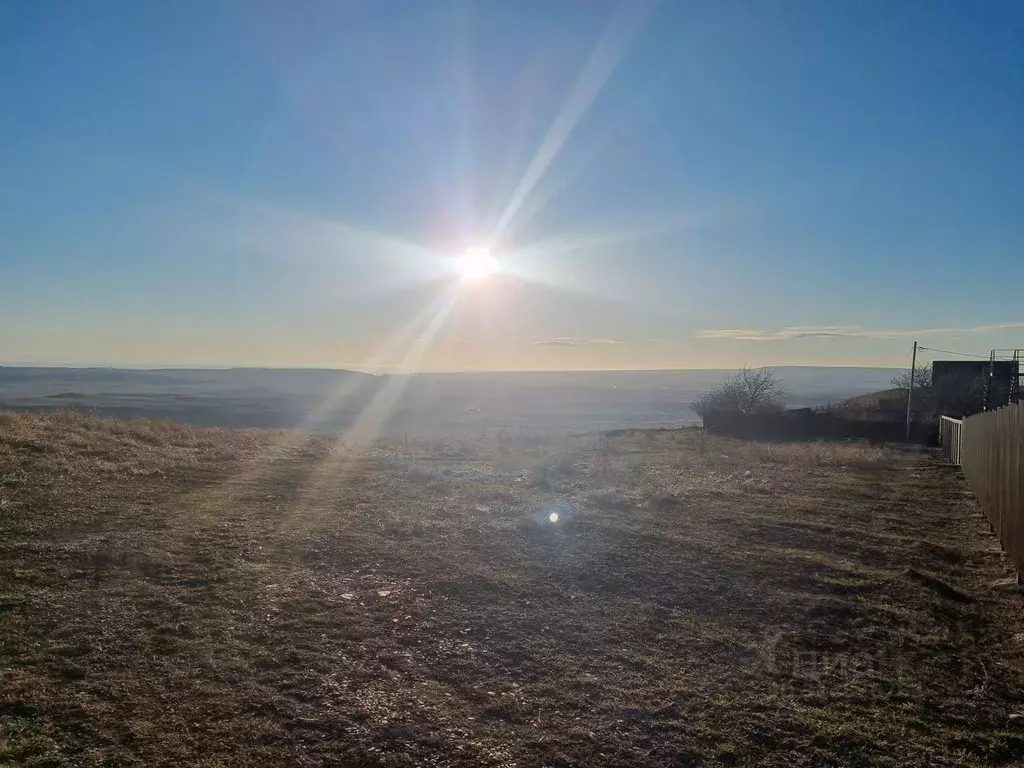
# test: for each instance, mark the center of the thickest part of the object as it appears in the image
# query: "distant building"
(964, 386)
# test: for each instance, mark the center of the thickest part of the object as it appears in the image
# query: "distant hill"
(51, 380)
(882, 399)
(436, 404)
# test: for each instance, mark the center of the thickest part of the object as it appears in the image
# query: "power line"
(951, 352)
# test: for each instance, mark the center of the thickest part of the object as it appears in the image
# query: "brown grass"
(175, 596)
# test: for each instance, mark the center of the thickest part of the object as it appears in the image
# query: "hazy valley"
(331, 401)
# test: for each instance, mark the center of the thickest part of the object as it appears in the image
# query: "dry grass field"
(176, 596)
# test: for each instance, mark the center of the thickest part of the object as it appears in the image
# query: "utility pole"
(910, 390)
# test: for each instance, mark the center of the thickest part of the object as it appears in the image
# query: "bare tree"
(749, 390)
(922, 378)
(922, 403)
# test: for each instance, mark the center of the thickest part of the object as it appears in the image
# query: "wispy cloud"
(576, 341)
(845, 331)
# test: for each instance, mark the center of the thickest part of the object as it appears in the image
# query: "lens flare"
(476, 263)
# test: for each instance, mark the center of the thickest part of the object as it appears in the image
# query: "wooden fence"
(990, 448)
(950, 431)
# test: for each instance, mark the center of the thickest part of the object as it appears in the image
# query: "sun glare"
(476, 263)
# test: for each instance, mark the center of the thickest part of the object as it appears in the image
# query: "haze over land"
(537, 403)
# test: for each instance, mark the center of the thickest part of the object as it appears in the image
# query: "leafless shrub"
(748, 391)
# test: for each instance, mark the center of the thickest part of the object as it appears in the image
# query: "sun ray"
(461, 73)
(604, 59)
(555, 184)
(210, 501)
(262, 227)
(539, 262)
(348, 450)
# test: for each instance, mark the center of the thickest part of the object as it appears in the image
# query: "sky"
(665, 184)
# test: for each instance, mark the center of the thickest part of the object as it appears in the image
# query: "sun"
(476, 263)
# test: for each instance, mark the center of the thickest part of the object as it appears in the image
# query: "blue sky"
(673, 184)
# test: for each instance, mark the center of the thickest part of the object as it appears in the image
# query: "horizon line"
(199, 367)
